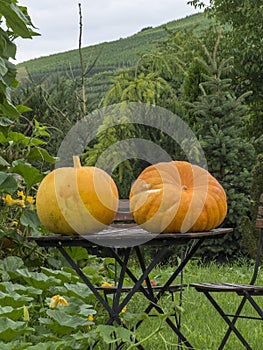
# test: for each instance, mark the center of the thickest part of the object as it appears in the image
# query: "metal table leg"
(118, 305)
(149, 295)
(88, 283)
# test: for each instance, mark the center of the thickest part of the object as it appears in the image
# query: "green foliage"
(28, 315)
(219, 120)
(245, 18)
(55, 102)
(20, 153)
(244, 43)
(18, 24)
(127, 87)
(18, 181)
(126, 171)
(145, 88)
(56, 307)
(155, 80)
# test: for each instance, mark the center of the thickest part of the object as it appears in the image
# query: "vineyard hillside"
(120, 53)
(104, 60)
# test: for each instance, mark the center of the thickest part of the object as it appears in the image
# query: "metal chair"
(248, 292)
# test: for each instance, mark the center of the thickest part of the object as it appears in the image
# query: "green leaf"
(8, 182)
(80, 340)
(134, 317)
(111, 334)
(9, 48)
(79, 290)
(66, 320)
(30, 174)
(92, 273)
(23, 109)
(12, 329)
(19, 288)
(15, 19)
(36, 142)
(60, 274)
(40, 130)
(3, 68)
(18, 138)
(38, 153)
(11, 263)
(12, 313)
(29, 218)
(8, 109)
(37, 280)
(75, 308)
(6, 122)
(124, 334)
(46, 321)
(15, 345)
(78, 253)
(13, 299)
(46, 346)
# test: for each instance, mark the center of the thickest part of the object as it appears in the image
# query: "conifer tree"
(129, 86)
(219, 119)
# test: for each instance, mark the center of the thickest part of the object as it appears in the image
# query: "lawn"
(201, 325)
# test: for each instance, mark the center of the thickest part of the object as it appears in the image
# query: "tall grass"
(200, 323)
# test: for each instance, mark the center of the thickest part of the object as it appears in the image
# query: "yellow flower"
(10, 201)
(57, 300)
(28, 199)
(91, 318)
(14, 223)
(107, 284)
(123, 310)
(21, 194)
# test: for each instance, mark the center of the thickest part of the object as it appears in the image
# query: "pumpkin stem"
(76, 162)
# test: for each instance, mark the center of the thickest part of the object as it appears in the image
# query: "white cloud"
(103, 20)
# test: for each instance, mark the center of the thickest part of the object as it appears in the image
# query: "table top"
(126, 237)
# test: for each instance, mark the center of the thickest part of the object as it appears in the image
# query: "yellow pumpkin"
(177, 197)
(77, 200)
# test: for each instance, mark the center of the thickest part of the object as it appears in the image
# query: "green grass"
(201, 324)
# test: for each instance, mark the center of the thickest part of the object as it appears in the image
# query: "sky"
(103, 20)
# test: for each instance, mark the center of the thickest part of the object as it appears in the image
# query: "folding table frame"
(137, 238)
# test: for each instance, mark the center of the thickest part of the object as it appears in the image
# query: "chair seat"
(228, 287)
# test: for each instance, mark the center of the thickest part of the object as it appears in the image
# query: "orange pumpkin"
(76, 199)
(177, 197)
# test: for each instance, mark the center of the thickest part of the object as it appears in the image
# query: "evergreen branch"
(223, 64)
